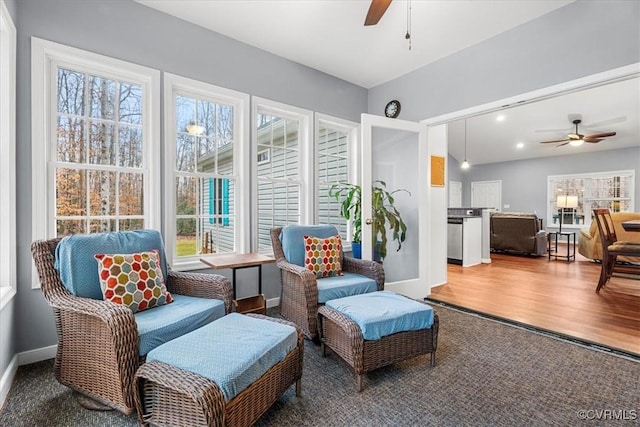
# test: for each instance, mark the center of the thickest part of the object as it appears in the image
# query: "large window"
(283, 168)
(206, 138)
(7, 156)
(335, 145)
(94, 123)
(611, 190)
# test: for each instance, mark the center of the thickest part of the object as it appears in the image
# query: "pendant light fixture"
(465, 164)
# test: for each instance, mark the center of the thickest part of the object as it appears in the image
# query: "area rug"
(487, 374)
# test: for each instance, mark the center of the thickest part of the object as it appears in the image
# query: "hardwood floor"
(553, 295)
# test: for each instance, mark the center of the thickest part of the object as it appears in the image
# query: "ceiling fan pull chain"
(408, 35)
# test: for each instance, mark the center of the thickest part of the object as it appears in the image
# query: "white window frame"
(352, 129)
(178, 85)
(305, 142)
(586, 199)
(7, 156)
(46, 56)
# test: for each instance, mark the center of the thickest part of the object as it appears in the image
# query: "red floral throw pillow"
(322, 256)
(133, 280)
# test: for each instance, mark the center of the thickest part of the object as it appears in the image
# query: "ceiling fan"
(376, 10)
(577, 138)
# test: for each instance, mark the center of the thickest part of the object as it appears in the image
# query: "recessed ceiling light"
(500, 118)
(520, 145)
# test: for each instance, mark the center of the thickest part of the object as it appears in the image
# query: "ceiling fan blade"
(562, 144)
(555, 140)
(589, 138)
(593, 141)
(376, 10)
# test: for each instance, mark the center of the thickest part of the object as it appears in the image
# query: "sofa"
(517, 232)
(589, 244)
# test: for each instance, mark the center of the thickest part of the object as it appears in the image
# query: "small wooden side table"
(254, 304)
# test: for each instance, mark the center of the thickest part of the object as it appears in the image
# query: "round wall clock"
(392, 109)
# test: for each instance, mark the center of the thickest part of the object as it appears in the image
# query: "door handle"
(368, 221)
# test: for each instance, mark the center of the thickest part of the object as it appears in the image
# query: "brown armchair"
(299, 294)
(517, 232)
(98, 353)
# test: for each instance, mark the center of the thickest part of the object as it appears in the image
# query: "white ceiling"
(330, 36)
(613, 107)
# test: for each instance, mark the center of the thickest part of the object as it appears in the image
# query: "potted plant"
(383, 214)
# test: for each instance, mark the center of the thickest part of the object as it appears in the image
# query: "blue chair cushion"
(383, 313)
(292, 239)
(233, 351)
(161, 324)
(79, 269)
(343, 286)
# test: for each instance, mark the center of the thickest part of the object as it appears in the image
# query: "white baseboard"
(273, 302)
(7, 379)
(37, 355)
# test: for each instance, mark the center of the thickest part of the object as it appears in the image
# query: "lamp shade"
(567, 201)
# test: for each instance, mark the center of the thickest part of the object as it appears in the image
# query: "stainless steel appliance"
(454, 240)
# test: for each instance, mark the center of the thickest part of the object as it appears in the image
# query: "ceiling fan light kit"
(576, 139)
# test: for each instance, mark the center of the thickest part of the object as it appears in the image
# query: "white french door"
(395, 152)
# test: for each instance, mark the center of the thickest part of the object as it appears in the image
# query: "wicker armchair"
(97, 353)
(299, 292)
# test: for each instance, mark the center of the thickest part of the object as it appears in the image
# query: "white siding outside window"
(7, 156)
(283, 168)
(95, 143)
(206, 130)
(335, 159)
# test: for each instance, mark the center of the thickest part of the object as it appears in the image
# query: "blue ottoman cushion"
(383, 313)
(233, 351)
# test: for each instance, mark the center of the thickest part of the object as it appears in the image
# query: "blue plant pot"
(356, 250)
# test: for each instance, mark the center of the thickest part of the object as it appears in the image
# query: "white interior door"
(394, 151)
(455, 194)
(486, 194)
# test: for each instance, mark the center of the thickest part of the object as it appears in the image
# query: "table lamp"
(564, 202)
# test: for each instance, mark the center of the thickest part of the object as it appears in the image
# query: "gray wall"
(524, 182)
(130, 31)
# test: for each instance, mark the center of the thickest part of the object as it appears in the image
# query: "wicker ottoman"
(170, 396)
(343, 335)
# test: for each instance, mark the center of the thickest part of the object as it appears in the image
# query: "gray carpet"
(487, 374)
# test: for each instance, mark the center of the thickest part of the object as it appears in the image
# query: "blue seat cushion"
(292, 239)
(383, 313)
(79, 269)
(233, 351)
(343, 286)
(161, 324)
